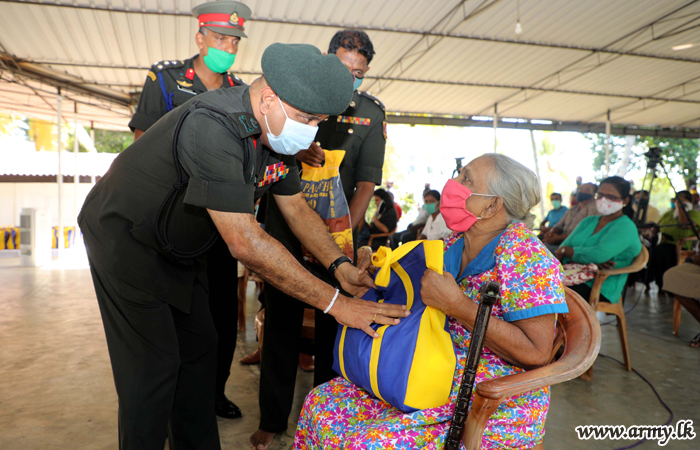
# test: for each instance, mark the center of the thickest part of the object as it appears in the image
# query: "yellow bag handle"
(386, 257)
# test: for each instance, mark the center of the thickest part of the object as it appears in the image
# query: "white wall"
(15, 196)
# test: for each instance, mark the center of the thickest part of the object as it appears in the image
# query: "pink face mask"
(452, 206)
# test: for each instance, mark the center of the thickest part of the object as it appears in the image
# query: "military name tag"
(354, 120)
(274, 173)
(180, 88)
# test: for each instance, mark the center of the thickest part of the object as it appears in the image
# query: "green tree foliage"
(680, 156)
(617, 150)
(108, 141)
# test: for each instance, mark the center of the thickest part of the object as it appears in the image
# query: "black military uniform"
(361, 132)
(168, 85)
(147, 267)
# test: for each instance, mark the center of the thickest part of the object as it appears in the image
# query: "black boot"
(227, 409)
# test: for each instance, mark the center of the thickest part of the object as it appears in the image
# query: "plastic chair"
(682, 255)
(618, 309)
(578, 330)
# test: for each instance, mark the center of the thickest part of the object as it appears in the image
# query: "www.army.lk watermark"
(683, 430)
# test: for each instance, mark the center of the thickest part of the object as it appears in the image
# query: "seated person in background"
(664, 255)
(584, 208)
(610, 240)
(641, 199)
(435, 227)
(555, 214)
(397, 207)
(384, 220)
(501, 192)
(683, 282)
(411, 232)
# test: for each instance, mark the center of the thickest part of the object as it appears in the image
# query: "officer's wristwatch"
(334, 265)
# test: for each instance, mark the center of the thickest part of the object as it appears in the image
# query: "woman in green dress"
(608, 240)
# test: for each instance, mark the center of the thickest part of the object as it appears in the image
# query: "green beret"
(307, 79)
(225, 17)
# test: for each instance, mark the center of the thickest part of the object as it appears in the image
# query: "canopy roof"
(576, 63)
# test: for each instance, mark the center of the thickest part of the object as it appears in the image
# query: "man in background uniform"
(361, 131)
(168, 85)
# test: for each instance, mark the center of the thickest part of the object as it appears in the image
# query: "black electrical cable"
(655, 393)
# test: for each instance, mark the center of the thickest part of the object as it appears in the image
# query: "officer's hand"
(314, 156)
(361, 314)
(354, 280)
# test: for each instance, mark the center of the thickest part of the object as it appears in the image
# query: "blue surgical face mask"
(294, 137)
(358, 82)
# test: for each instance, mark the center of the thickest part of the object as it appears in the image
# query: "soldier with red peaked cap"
(168, 85)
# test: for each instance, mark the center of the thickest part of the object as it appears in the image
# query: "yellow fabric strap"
(385, 258)
(407, 284)
(329, 168)
(341, 349)
(374, 361)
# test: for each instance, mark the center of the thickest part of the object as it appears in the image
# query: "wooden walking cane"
(488, 295)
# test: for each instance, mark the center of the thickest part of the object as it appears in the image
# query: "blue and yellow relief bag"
(410, 365)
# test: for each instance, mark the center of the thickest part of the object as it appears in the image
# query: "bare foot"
(253, 358)
(260, 440)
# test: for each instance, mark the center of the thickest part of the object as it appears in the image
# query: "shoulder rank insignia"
(353, 120)
(274, 173)
(247, 124)
(233, 80)
(151, 75)
(373, 98)
(161, 65)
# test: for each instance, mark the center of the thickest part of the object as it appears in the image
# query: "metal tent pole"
(76, 177)
(607, 145)
(539, 176)
(60, 241)
(92, 138)
(495, 127)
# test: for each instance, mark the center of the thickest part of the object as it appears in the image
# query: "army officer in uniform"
(169, 84)
(359, 130)
(193, 175)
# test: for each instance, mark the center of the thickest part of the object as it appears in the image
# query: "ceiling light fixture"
(518, 26)
(682, 47)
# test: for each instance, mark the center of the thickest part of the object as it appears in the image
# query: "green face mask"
(556, 204)
(219, 61)
(430, 207)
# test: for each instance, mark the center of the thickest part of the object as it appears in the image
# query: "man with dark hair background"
(361, 132)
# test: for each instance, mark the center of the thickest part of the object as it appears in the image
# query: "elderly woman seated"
(609, 240)
(488, 205)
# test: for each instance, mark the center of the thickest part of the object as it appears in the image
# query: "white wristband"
(330, 305)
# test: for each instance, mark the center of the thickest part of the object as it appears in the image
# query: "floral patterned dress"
(340, 415)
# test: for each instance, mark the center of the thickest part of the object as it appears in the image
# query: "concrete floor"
(56, 388)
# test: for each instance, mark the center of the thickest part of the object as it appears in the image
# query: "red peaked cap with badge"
(225, 17)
